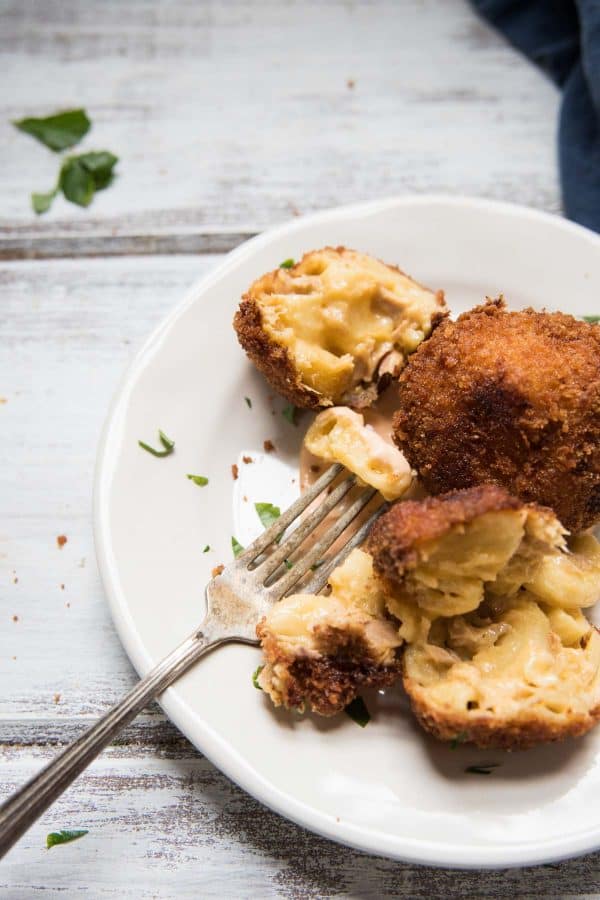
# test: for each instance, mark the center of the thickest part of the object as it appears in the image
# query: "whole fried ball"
(508, 398)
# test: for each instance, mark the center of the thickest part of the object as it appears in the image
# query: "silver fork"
(237, 599)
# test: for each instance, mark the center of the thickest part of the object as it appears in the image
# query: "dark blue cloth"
(563, 38)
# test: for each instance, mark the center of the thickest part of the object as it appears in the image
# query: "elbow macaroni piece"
(340, 435)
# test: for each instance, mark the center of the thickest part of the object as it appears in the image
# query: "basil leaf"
(290, 412)
(76, 183)
(255, 675)
(287, 263)
(100, 165)
(248, 402)
(59, 131)
(200, 480)
(41, 203)
(64, 836)
(267, 513)
(591, 319)
(358, 712)
(236, 547)
(206, 549)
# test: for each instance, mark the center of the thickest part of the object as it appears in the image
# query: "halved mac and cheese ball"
(321, 651)
(340, 435)
(335, 327)
(489, 592)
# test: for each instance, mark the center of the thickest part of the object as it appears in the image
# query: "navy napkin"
(563, 38)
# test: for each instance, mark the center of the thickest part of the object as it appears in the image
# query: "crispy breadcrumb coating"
(511, 398)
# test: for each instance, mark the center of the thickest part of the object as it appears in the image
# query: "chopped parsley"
(591, 319)
(59, 131)
(290, 413)
(236, 547)
(206, 549)
(167, 443)
(267, 513)
(200, 480)
(64, 836)
(287, 263)
(248, 402)
(288, 564)
(458, 739)
(482, 769)
(255, 675)
(358, 712)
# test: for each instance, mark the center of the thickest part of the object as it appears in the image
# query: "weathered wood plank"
(179, 827)
(240, 114)
(28, 245)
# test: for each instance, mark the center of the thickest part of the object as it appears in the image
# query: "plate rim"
(209, 743)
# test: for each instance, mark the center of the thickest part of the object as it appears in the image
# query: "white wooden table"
(228, 118)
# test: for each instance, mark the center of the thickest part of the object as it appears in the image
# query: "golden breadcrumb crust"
(491, 730)
(273, 359)
(511, 398)
(329, 680)
(396, 536)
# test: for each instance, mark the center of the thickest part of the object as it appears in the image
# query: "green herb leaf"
(267, 513)
(358, 712)
(317, 565)
(591, 319)
(41, 203)
(200, 480)
(287, 263)
(290, 413)
(288, 564)
(59, 131)
(76, 182)
(483, 769)
(236, 547)
(100, 165)
(64, 836)
(167, 443)
(206, 549)
(255, 675)
(248, 402)
(458, 739)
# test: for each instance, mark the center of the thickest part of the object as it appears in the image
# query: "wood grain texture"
(240, 114)
(228, 117)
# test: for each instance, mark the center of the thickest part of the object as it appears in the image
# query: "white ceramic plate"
(387, 789)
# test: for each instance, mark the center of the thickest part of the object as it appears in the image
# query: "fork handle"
(21, 810)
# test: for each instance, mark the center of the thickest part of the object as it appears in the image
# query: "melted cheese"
(340, 312)
(340, 435)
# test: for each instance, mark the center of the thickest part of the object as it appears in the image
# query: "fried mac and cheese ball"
(321, 651)
(335, 327)
(339, 434)
(510, 398)
(489, 595)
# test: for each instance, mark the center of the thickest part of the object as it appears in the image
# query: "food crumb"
(217, 570)
(14, 657)
(56, 698)
(68, 605)
(247, 459)
(234, 471)
(82, 562)
(15, 618)
(315, 468)
(245, 499)
(269, 446)
(3, 400)
(350, 84)
(15, 580)
(62, 587)
(61, 540)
